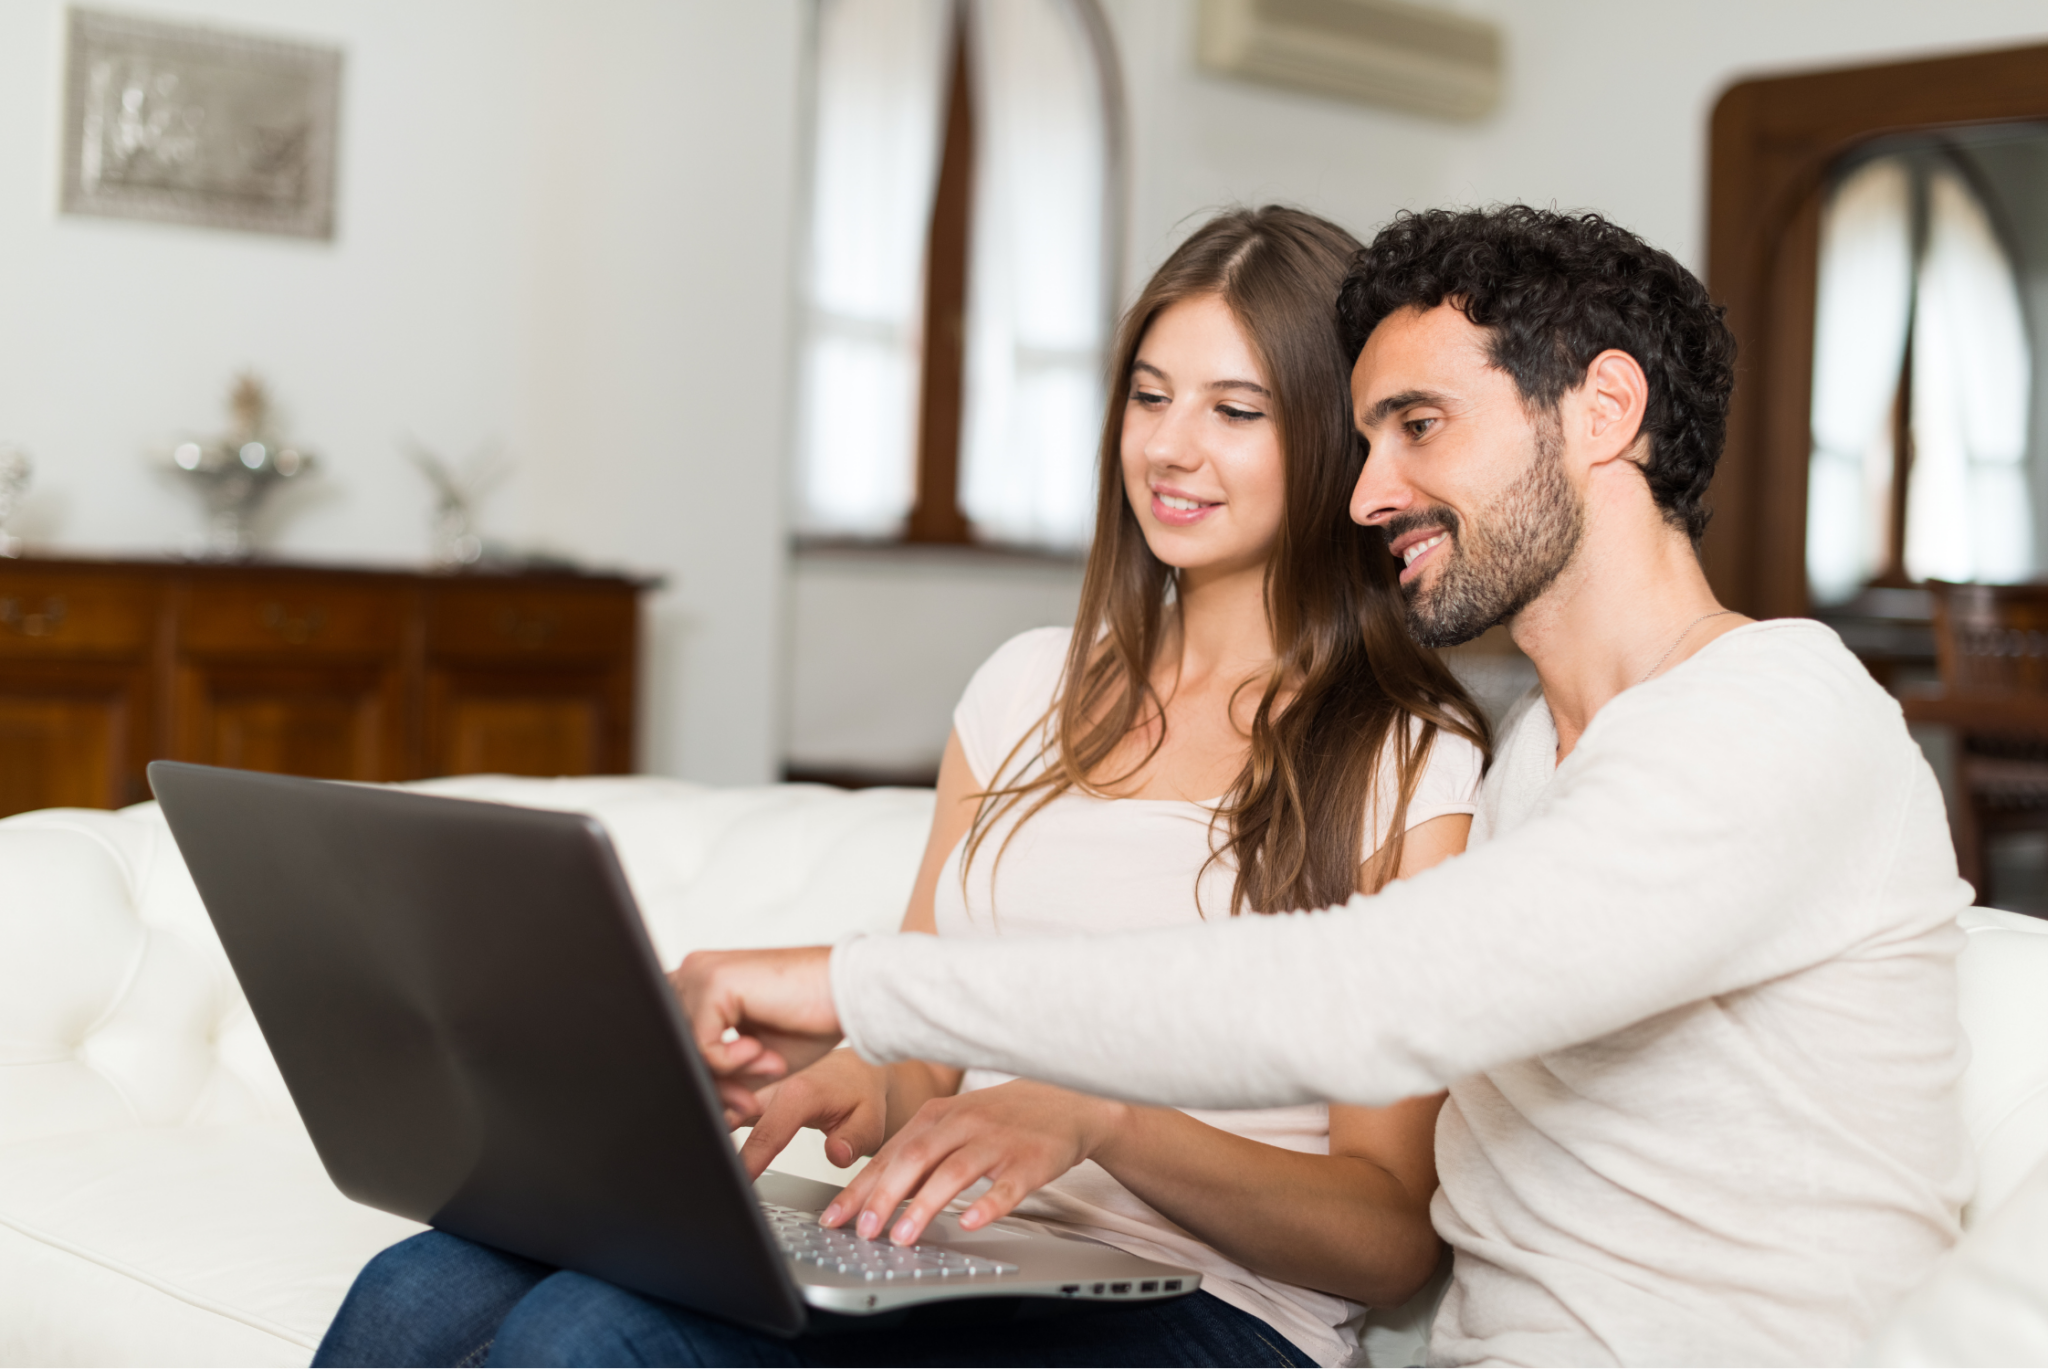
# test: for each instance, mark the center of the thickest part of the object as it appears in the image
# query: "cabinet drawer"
(504, 622)
(66, 615)
(282, 620)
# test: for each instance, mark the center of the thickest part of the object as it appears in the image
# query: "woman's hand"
(1021, 1136)
(842, 1095)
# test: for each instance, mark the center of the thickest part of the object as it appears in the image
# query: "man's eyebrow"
(1377, 414)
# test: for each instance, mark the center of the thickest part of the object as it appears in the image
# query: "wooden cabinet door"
(481, 721)
(299, 677)
(72, 736)
(75, 687)
(527, 679)
(330, 721)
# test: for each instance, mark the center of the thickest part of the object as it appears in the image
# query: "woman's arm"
(857, 1105)
(1354, 1222)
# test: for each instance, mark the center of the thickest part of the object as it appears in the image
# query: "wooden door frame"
(1774, 142)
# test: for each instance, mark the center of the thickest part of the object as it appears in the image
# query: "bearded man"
(1692, 988)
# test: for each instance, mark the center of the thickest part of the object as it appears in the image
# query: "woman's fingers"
(958, 1171)
(774, 1129)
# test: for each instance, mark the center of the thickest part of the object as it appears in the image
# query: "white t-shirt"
(1693, 991)
(1085, 864)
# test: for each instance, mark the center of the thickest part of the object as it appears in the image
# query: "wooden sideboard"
(302, 670)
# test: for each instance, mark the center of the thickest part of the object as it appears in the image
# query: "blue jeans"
(438, 1299)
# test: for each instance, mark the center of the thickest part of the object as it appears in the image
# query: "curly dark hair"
(1556, 290)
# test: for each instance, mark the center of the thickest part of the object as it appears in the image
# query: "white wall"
(882, 643)
(561, 227)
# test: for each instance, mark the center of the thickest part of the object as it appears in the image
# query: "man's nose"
(1381, 491)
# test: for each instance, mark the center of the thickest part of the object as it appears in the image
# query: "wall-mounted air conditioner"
(1380, 52)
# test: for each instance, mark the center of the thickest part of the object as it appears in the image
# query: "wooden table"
(305, 670)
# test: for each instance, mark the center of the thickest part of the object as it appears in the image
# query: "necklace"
(1717, 613)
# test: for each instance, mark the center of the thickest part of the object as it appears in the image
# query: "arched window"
(958, 275)
(1922, 382)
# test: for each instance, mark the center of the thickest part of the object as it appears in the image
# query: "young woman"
(1241, 724)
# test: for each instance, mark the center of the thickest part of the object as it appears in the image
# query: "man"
(1692, 989)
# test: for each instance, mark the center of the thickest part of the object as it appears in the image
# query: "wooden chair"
(1991, 644)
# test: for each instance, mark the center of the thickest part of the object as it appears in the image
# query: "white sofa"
(160, 1204)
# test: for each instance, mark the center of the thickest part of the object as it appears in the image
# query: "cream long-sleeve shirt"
(1692, 992)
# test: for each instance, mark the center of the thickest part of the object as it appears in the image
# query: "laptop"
(464, 1003)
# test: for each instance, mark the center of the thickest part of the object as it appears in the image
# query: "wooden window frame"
(1775, 143)
(935, 515)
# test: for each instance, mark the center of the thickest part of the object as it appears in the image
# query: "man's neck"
(1633, 604)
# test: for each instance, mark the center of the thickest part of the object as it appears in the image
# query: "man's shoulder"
(1787, 686)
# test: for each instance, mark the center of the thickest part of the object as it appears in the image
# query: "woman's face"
(1201, 456)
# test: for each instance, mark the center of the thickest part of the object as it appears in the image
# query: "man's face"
(1468, 486)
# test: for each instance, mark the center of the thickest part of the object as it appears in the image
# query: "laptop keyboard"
(842, 1252)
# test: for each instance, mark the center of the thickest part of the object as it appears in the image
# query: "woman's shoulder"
(1008, 695)
(1449, 783)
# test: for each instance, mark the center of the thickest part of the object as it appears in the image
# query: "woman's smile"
(1179, 510)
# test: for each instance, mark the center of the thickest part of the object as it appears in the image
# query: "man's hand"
(1021, 1135)
(842, 1095)
(757, 1016)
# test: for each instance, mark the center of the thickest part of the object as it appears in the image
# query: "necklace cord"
(1687, 632)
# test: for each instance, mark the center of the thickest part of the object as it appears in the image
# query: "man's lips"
(1415, 548)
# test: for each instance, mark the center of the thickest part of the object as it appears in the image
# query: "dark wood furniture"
(1991, 642)
(1775, 142)
(340, 674)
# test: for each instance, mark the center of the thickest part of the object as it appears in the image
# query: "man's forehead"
(1438, 351)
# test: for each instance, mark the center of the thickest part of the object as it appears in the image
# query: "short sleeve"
(1008, 696)
(1449, 784)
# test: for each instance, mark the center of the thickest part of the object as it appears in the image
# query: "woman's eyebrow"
(1251, 385)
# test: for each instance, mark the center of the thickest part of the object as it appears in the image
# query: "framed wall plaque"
(188, 124)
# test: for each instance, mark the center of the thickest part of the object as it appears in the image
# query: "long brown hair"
(1347, 677)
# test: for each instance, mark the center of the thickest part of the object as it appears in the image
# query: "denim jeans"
(438, 1299)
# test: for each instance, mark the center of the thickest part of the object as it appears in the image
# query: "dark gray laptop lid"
(464, 1004)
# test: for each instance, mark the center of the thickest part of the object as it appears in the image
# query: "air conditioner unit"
(1379, 52)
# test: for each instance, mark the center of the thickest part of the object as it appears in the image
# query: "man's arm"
(1697, 847)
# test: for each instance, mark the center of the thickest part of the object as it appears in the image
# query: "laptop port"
(1119, 1288)
(1149, 1286)
(1068, 1290)
(1097, 1290)
(1173, 1285)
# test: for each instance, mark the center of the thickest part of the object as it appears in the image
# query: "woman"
(1240, 638)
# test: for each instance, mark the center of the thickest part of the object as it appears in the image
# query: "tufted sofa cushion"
(2003, 975)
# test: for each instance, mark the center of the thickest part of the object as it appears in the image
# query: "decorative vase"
(236, 472)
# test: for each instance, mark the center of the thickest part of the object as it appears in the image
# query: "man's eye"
(1418, 428)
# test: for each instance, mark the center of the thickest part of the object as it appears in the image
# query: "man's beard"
(1522, 540)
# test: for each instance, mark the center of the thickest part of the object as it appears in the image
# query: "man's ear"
(1612, 403)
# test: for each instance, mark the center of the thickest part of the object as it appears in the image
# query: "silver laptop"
(465, 1006)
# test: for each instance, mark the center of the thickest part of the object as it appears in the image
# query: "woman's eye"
(1237, 415)
(1149, 398)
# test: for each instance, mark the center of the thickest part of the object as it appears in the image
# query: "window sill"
(926, 553)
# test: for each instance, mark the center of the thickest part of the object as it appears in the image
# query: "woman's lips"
(1180, 517)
